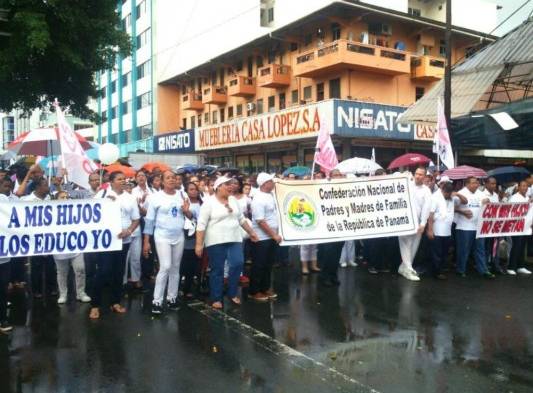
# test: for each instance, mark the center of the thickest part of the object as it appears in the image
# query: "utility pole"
(448, 68)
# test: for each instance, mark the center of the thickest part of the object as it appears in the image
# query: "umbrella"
(150, 166)
(299, 171)
(506, 174)
(126, 170)
(358, 166)
(41, 142)
(409, 159)
(6, 155)
(465, 171)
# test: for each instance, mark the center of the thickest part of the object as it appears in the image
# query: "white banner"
(505, 219)
(58, 227)
(321, 211)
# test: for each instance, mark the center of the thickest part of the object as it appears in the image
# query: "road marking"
(342, 382)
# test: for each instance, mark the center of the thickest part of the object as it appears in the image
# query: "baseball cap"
(263, 177)
(220, 180)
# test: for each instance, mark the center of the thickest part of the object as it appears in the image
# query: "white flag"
(441, 142)
(78, 164)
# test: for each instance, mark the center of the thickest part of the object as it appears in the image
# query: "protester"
(110, 266)
(409, 244)
(492, 243)
(218, 226)
(5, 274)
(190, 263)
(348, 254)
(518, 250)
(165, 221)
(265, 224)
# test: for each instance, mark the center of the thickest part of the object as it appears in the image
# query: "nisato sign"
(175, 142)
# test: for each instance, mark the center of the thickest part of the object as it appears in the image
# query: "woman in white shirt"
(219, 226)
(164, 221)
(110, 266)
(518, 250)
(190, 262)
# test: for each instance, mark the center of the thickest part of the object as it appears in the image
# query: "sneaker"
(523, 270)
(84, 298)
(259, 297)
(352, 264)
(511, 272)
(372, 270)
(344, 264)
(173, 305)
(61, 299)
(406, 272)
(489, 275)
(271, 294)
(157, 309)
(5, 327)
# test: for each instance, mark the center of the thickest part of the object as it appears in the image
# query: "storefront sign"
(294, 123)
(59, 227)
(424, 132)
(175, 142)
(505, 219)
(324, 211)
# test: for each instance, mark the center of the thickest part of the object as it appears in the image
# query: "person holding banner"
(265, 224)
(5, 277)
(409, 244)
(518, 249)
(164, 221)
(218, 225)
(492, 243)
(110, 266)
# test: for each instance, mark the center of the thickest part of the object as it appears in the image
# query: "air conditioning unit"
(380, 29)
(250, 106)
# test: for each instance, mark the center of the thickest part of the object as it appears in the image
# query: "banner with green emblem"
(321, 211)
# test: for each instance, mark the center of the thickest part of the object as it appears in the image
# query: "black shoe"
(5, 327)
(173, 306)
(157, 309)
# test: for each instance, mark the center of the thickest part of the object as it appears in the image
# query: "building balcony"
(274, 76)
(192, 101)
(342, 55)
(214, 95)
(241, 86)
(427, 68)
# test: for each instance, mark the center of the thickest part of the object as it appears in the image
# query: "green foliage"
(53, 49)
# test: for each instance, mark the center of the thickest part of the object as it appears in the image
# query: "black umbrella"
(506, 174)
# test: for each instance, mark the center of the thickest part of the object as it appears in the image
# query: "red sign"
(505, 219)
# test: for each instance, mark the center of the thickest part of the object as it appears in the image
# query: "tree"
(53, 49)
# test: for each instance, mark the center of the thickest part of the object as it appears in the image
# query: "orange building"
(340, 62)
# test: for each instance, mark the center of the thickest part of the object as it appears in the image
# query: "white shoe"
(61, 300)
(523, 270)
(343, 264)
(413, 272)
(406, 272)
(352, 264)
(84, 298)
(511, 272)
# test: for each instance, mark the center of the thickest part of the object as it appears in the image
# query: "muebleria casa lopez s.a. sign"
(181, 142)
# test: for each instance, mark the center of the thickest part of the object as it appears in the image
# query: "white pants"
(308, 252)
(408, 248)
(169, 270)
(133, 260)
(348, 252)
(78, 265)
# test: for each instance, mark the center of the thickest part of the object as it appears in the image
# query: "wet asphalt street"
(373, 333)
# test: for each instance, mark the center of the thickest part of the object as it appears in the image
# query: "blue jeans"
(465, 242)
(218, 254)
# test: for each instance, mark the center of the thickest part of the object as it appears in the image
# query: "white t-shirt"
(165, 219)
(264, 208)
(219, 224)
(139, 194)
(422, 196)
(129, 210)
(474, 205)
(530, 192)
(493, 198)
(517, 197)
(244, 204)
(34, 198)
(443, 213)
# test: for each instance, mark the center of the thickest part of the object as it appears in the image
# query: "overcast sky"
(508, 7)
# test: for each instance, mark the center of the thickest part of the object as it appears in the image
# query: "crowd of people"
(189, 234)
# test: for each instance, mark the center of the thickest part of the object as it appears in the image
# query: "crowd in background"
(190, 234)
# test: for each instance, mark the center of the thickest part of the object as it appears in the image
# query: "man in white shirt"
(409, 244)
(518, 249)
(265, 224)
(491, 243)
(467, 216)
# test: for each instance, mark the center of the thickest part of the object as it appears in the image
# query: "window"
(271, 56)
(127, 136)
(143, 70)
(214, 117)
(126, 79)
(320, 92)
(145, 131)
(114, 112)
(206, 117)
(104, 116)
(143, 39)
(271, 103)
(335, 88)
(193, 121)
(230, 112)
(184, 123)
(126, 107)
(221, 115)
(419, 93)
(8, 123)
(259, 105)
(238, 66)
(414, 11)
(103, 92)
(199, 120)
(126, 22)
(308, 38)
(144, 100)
(307, 93)
(114, 86)
(221, 76)
(335, 31)
(442, 48)
(282, 101)
(239, 110)
(270, 15)
(141, 9)
(259, 61)
(294, 97)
